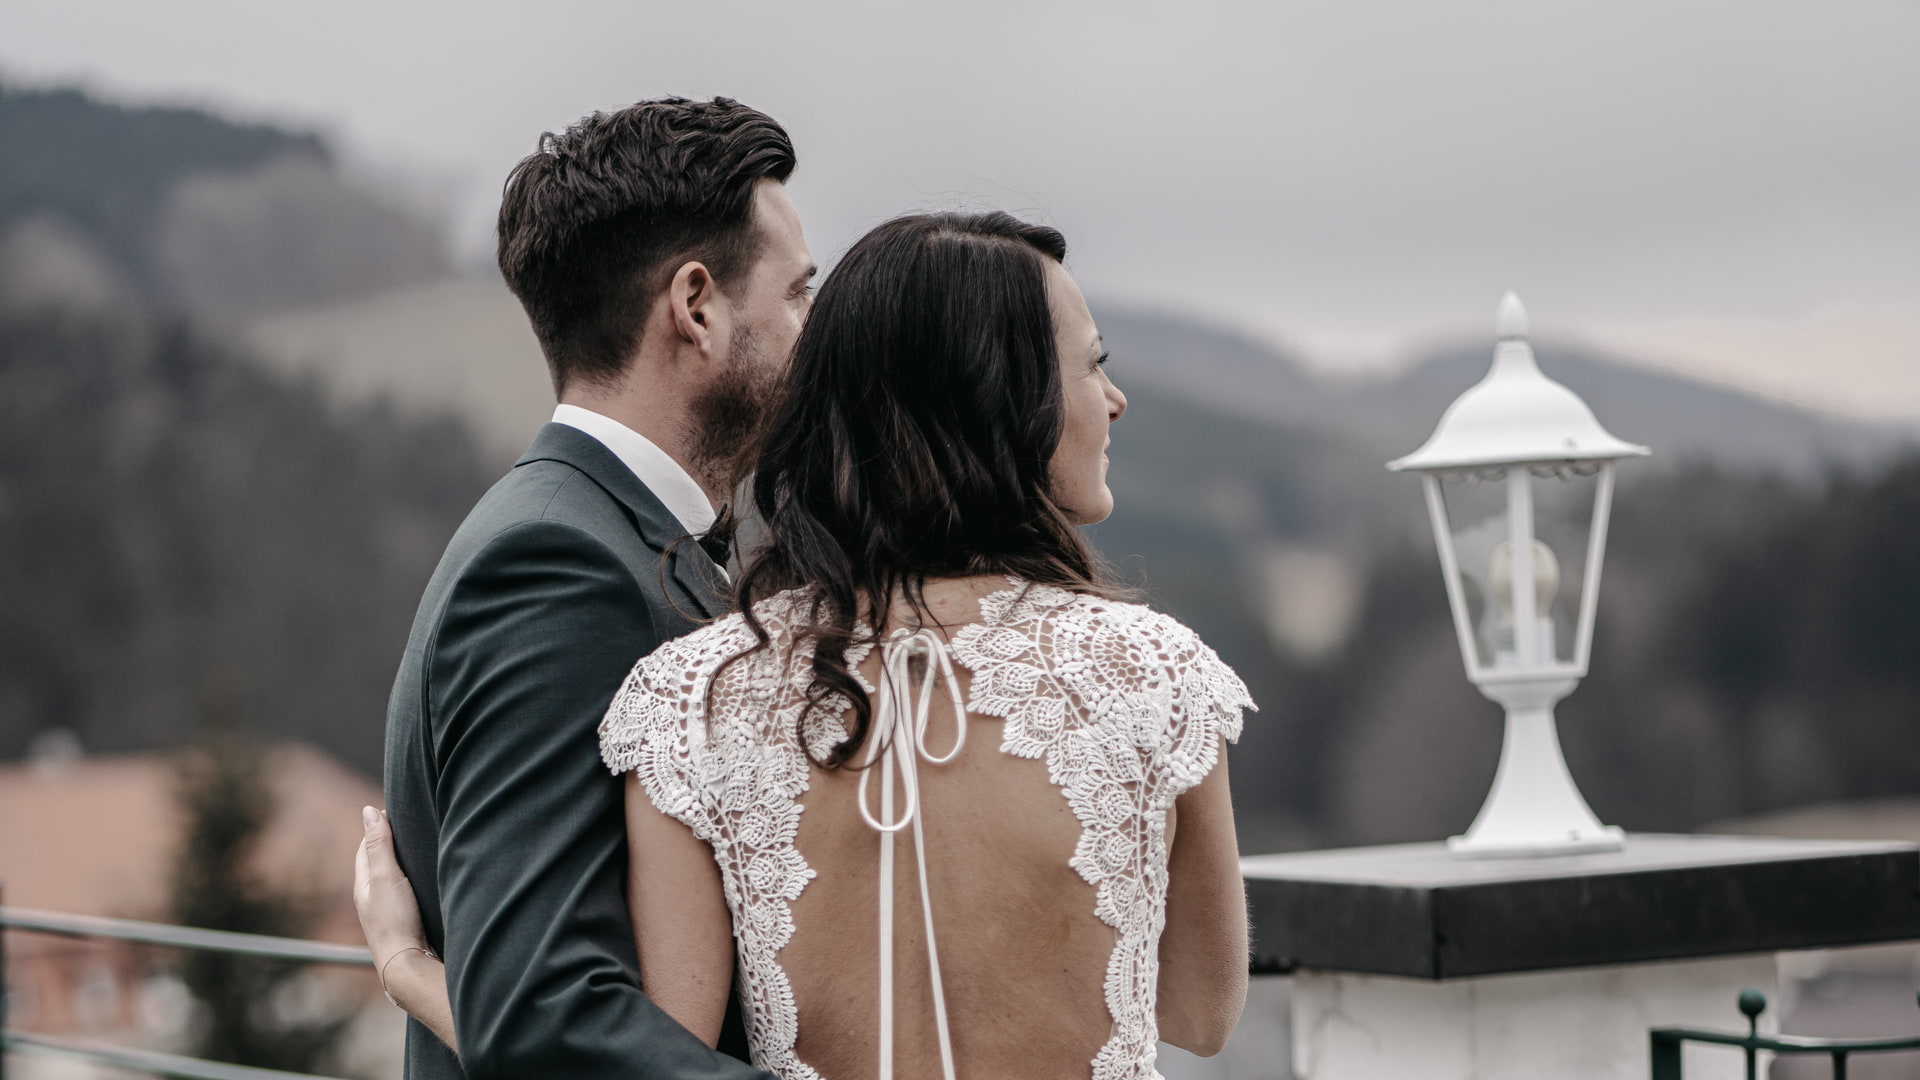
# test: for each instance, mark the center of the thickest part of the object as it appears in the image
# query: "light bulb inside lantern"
(1546, 585)
(1546, 578)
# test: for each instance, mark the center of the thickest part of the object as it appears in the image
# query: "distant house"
(98, 836)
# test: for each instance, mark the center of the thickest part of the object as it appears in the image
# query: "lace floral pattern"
(1126, 707)
(725, 762)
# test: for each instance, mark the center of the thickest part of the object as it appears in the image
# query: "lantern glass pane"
(1563, 501)
(1478, 521)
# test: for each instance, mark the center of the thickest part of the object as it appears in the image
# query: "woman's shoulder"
(670, 690)
(1139, 675)
(1027, 607)
(1095, 640)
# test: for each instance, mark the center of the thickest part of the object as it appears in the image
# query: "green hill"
(107, 168)
(195, 212)
(176, 522)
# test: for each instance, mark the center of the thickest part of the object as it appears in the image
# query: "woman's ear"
(692, 300)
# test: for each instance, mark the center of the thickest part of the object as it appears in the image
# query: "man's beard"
(727, 415)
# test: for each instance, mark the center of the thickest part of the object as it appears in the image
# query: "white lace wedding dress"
(1127, 708)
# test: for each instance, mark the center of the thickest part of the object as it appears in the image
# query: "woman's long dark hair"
(913, 439)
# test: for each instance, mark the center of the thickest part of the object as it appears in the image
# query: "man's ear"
(692, 300)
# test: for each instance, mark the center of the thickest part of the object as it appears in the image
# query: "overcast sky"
(1730, 187)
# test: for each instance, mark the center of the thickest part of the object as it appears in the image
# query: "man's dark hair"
(594, 224)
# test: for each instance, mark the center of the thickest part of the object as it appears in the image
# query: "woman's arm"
(681, 925)
(680, 920)
(1203, 951)
(390, 919)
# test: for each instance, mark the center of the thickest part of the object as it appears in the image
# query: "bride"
(943, 802)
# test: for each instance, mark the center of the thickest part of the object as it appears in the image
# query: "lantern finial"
(1513, 318)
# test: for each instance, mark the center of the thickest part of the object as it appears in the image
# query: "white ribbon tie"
(896, 744)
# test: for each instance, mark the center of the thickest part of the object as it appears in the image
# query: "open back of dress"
(1045, 859)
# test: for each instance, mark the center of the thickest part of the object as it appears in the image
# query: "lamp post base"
(1534, 808)
(1609, 838)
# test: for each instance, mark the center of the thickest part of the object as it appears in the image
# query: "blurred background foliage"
(245, 399)
(270, 1014)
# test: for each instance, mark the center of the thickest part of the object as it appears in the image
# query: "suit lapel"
(700, 580)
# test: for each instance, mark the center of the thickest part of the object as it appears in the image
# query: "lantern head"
(1519, 482)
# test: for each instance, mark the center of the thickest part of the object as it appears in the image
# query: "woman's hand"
(390, 918)
(382, 895)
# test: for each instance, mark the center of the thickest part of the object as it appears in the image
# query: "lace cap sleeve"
(1209, 702)
(657, 724)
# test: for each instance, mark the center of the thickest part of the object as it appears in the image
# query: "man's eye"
(1101, 360)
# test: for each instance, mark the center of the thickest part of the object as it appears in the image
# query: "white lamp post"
(1519, 483)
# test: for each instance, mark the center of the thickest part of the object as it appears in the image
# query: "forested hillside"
(175, 522)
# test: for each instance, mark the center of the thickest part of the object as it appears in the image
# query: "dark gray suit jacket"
(507, 823)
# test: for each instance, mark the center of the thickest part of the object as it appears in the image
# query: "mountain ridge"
(1681, 417)
(190, 211)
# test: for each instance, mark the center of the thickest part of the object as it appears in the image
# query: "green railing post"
(1752, 1004)
(1666, 1057)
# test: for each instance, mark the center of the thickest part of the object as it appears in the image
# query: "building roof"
(98, 836)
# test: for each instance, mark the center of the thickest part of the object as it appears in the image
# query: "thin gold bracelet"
(421, 949)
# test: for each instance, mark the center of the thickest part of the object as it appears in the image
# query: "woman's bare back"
(1021, 951)
(1047, 910)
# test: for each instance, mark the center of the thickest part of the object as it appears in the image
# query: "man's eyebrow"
(811, 271)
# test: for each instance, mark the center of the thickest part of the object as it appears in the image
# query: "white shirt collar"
(660, 473)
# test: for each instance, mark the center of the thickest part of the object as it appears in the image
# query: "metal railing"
(180, 937)
(1668, 1041)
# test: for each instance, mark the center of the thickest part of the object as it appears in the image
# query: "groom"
(663, 268)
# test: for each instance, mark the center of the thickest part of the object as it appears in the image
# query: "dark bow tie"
(718, 548)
